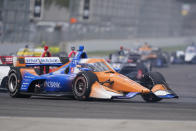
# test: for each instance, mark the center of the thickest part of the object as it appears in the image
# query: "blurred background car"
(155, 56)
(184, 56)
(190, 54)
(129, 64)
(177, 57)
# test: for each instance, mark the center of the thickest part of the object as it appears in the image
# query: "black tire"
(149, 80)
(82, 85)
(14, 84)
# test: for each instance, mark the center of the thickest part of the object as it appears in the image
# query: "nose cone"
(124, 84)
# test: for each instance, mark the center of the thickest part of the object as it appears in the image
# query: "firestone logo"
(53, 84)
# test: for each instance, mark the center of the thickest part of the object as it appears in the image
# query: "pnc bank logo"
(52, 84)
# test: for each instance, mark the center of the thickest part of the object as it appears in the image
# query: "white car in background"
(190, 54)
(177, 57)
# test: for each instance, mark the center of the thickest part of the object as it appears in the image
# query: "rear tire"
(82, 85)
(149, 80)
(14, 84)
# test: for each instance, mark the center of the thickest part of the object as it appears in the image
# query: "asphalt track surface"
(181, 78)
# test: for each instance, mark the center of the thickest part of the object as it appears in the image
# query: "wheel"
(14, 83)
(82, 85)
(149, 80)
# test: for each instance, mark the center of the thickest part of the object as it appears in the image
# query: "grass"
(168, 49)
(174, 48)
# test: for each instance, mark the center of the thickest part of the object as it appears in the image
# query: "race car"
(187, 56)
(155, 56)
(177, 57)
(162, 58)
(190, 54)
(129, 65)
(84, 78)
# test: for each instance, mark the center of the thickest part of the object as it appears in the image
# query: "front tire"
(149, 80)
(82, 85)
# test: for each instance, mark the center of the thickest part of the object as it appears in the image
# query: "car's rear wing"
(39, 61)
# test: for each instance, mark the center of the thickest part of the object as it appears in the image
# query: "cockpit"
(99, 66)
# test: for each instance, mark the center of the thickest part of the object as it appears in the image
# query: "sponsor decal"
(53, 84)
(42, 60)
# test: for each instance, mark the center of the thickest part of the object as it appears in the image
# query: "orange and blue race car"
(84, 78)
